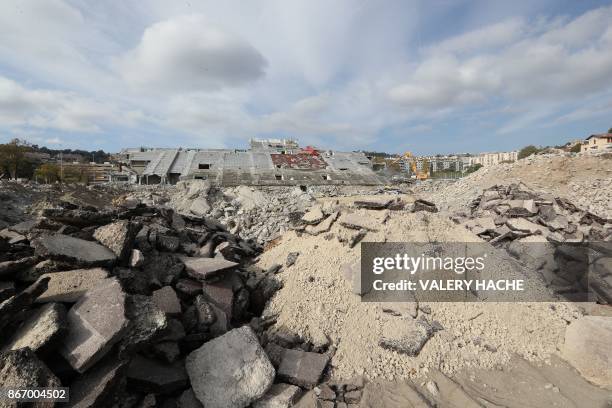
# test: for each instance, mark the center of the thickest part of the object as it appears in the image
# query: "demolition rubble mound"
(583, 179)
(319, 304)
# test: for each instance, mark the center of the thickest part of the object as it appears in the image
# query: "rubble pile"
(319, 304)
(141, 306)
(583, 179)
(565, 244)
(515, 211)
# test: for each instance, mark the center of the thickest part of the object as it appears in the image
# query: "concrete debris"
(406, 335)
(374, 203)
(99, 386)
(175, 296)
(230, 371)
(150, 376)
(42, 330)
(96, 322)
(279, 396)
(79, 251)
(313, 216)
(206, 268)
(424, 205)
(291, 258)
(302, 368)
(69, 286)
(146, 322)
(117, 237)
(136, 258)
(22, 369)
(167, 301)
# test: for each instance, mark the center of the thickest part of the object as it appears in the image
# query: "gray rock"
(279, 396)
(69, 286)
(96, 322)
(230, 371)
(406, 335)
(117, 236)
(206, 268)
(150, 376)
(167, 301)
(302, 368)
(79, 251)
(42, 330)
(22, 369)
(98, 387)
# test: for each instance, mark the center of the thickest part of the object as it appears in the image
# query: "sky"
(429, 77)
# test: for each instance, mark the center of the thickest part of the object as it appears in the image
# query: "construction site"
(232, 279)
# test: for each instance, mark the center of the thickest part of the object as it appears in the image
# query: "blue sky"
(426, 76)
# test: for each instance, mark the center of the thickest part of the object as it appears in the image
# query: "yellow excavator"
(409, 157)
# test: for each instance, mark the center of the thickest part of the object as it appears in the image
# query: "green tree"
(473, 168)
(12, 157)
(49, 173)
(610, 130)
(576, 148)
(528, 151)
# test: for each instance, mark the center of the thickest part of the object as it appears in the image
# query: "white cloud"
(188, 54)
(573, 60)
(66, 111)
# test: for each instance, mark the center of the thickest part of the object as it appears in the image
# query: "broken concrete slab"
(150, 376)
(12, 237)
(167, 301)
(355, 221)
(406, 335)
(96, 322)
(117, 237)
(521, 208)
(279, 396)
(69, 286)
(424, 205)
(323, 226)
(313, 216)
(524, 225)
(98, 387)
(42, 330)
(206, 268)
(146, 323)
(302, 368)
(587, 347)
(22, 369)
(12, 308)
(230, 371)
(79, 251)
(373, 203)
